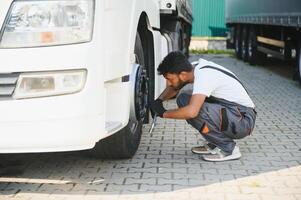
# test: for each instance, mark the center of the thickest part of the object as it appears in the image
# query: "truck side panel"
(120, 34)
(264, 12)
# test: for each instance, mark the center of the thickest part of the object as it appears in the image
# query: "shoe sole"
(210, 152)
(232, 157)
(201, 153)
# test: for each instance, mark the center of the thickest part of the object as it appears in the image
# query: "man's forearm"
(187, 112)
(168, 93)
(181, 113)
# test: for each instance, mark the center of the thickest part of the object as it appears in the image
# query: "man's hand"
(168, 93)
(187, 112)
(157, 107)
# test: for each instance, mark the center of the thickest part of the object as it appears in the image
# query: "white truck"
(79, 74)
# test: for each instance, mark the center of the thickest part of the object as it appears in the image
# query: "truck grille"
(8, 84)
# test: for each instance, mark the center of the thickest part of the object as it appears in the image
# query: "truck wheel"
(255, 57)
(187, 38)
(176, 30)
(299, 62)
(180, 40)
(244, 44)
(238, 42)
(124, 143)
(176, 33)
(179, 37)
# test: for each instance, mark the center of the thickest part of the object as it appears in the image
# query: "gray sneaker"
(221, 156)
(204, 149)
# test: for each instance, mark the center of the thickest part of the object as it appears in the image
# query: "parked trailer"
(80, 74)
(265, 27)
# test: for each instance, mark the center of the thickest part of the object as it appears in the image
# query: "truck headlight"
(45, 23)
(41, 84)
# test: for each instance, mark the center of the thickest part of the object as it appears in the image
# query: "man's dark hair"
(174, 63)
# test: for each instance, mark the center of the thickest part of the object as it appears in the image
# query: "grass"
(211, 51)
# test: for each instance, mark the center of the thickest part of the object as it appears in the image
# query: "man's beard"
(180, 85)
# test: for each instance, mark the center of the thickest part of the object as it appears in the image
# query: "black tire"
(237, 42)
(180, 34)
(298, 66)
(255, 57)
(181, 40)
(179, 37)
(124, 143)
(177, 34)
(244, 44)
(187, 39)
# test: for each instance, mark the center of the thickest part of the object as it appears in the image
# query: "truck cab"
(79, 75)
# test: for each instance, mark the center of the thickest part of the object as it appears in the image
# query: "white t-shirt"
(211, 82)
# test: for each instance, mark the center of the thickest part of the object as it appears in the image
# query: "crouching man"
(212, 99)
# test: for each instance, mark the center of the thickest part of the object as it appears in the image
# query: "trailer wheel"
(238, 42)
(187, 38)
(124, 143)
(255, 57)
(181, 40)
(177, 31)
(178, 36)
(299, 62)
(244, 44)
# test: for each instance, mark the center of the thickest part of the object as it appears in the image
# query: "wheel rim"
(236, 45)
(141, 94)
(250, 48)
(243, 49)
(139, 105)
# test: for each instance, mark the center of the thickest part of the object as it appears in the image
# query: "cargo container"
(259, 28)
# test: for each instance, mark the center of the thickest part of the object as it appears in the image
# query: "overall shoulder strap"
(225, 72)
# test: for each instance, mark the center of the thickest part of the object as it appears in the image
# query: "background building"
(209, 18)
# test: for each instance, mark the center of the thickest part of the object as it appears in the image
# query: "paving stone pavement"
(165, 168)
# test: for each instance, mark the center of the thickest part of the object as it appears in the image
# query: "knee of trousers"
(183, 100)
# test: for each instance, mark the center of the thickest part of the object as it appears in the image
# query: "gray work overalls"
(220, 121)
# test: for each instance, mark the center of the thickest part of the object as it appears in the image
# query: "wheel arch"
(145, 31)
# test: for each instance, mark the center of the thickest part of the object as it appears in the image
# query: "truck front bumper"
(55, 123)
(50, 135)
